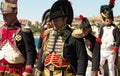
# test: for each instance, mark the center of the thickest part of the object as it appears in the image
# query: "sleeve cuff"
(115, 49)
(28, 69)
(98, 40)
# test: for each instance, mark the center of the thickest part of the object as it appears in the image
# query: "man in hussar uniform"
(62, 54)
(17, 47)
(109, 34)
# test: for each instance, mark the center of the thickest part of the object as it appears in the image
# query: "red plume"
(112, 1)
(81, 17)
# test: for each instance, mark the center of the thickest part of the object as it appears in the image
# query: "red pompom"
(112, 1)
(81, 17)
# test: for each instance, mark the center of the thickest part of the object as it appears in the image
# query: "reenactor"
(92, 45)
(62, 54)
(17, 47)
(110, 37)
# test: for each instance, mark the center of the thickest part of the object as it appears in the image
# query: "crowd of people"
(63, 51)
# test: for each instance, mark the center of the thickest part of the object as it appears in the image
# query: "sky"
(34, 9)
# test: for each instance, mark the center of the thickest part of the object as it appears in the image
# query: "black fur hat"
(106, 10)
(84, 22)
(62, 8)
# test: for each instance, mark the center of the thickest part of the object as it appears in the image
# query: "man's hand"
(113, 52)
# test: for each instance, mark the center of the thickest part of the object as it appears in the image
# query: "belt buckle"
(51, 67)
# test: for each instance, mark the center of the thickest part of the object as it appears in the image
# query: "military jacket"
(114, 36)
(93, 50)
(72, 51)
(21, 40)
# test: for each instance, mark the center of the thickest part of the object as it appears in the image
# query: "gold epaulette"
(78, 33)
(46, 32)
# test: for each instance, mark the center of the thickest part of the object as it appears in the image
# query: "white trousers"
(89, 71)
(107, 55)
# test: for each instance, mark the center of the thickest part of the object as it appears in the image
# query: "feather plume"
(81, 17)
(111, 3)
